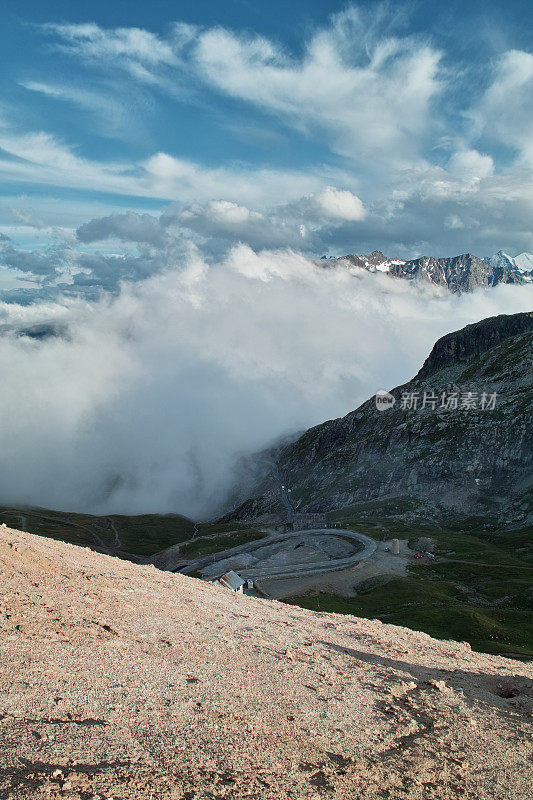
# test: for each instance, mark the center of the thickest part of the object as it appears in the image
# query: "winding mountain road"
(293, 569)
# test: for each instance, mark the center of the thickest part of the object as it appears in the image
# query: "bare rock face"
(121, 681)
(443, 442)
(458, 274)
(475, 340)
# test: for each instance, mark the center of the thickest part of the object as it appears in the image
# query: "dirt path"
(116, 543)
(71, 524)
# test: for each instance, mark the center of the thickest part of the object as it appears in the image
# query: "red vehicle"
(418, 555)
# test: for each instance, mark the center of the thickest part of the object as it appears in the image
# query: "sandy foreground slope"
(121, 681)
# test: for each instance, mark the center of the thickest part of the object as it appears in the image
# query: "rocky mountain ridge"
(462, 273)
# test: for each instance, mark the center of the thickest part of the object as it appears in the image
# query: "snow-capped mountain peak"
(522, 264)
(462, 273)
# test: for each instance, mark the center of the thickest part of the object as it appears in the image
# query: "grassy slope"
(141, 535)
(482, 594)
(214, 538)
(146, 534)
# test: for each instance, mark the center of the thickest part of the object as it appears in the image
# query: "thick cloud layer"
(149, 399)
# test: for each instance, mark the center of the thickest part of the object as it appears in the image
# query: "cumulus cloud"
(340, 205)
(465, 207)
(128, 227)
(37, 262)
(470, 165)
(63, 268)
(302, 224)
(151, 397)
(221, 222)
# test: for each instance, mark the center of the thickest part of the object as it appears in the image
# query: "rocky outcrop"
(458, 438)
(474, 340)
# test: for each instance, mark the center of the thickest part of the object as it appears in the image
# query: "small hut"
(231, 580)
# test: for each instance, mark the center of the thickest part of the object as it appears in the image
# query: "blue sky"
(325, 127)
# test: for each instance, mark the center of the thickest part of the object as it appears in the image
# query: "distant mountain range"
(459, 274)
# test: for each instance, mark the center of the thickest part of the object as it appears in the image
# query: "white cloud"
(330, 205)
(364, 89)
(129, 44)
(224, 222)
(453, 222)
(41, 158)
(39, 263)
(128, 227)
(147, 403)
(341, 205)
(431, 212)
(300, 225)
(434, 212)
(469, 165)
(178, 178)
(370, 98)
(504, 114)
(28, 218)
(377, 97)
(110, 107)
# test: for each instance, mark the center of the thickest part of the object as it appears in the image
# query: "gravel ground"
(122, 681)
(310, 550)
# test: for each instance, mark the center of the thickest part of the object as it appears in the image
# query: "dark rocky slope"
(465, 461)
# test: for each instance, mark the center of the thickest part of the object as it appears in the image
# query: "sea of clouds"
(148, 398)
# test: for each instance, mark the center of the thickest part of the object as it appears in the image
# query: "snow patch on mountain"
(522, 264)
(372, 262)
